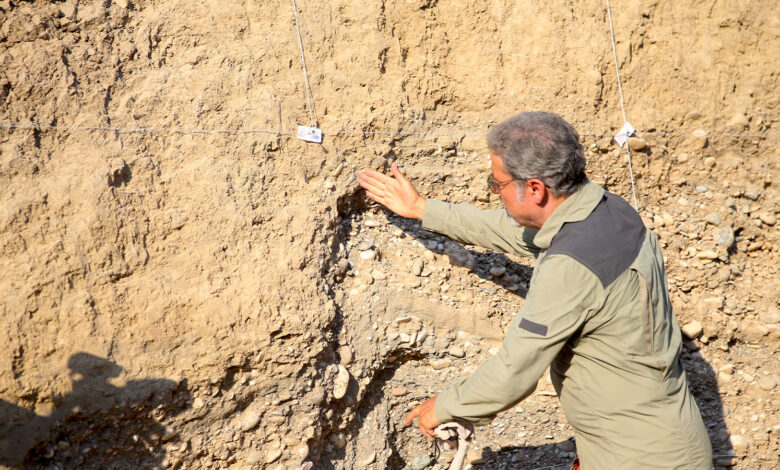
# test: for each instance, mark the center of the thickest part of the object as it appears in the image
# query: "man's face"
(516, 204)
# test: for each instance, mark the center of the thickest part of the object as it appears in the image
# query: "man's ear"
(537, 190)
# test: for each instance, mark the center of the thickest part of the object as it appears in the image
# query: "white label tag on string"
(310, 134)
(622, 136)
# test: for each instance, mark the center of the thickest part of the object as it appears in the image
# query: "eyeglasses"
(495, 186)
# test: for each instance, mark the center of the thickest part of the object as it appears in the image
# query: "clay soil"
(184, 284)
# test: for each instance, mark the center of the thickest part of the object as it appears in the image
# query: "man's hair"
(540, 145)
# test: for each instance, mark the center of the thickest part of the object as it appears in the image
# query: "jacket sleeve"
(560, 298)
(492, 229)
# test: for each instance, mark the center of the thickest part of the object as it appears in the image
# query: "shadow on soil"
(96, 425)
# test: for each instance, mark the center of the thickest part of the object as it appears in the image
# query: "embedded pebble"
(725, 237)
(636, 143)
(441, 363)
(752, 192)
(371, 223)
(713, 219)
(420, 462)
(497, 271)
(365, 244)
(254, 457)
(398, 391)
(339, 440)
(368, 460)
(739, 444)
(273, 454)
(345, 355)
(701, 189)
(341, 383)
(456, 352)
(692, 330)
(767, 218)
(249, 420)
(368, 255)
(418, 266)
(707, 254)
(378, 275)
(767, 383)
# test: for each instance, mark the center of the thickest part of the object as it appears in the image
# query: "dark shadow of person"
(703, 381)
(97, 424)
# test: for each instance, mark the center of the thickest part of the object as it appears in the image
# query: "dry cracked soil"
(184, 284)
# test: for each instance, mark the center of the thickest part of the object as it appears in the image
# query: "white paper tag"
(310, 134)
(622, 136)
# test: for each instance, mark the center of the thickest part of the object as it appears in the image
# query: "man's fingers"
(380, 177)
(412, 414)
(396, 172)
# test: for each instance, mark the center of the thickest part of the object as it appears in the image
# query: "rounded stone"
(767, 383)
(341, 383)
(692, 330)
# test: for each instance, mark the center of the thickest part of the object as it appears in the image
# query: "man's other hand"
(427, 421)
(396, 193)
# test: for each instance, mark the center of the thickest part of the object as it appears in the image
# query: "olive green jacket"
(597, 312)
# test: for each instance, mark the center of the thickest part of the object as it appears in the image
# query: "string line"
(432, 132)
(303, 62)
(622, 105)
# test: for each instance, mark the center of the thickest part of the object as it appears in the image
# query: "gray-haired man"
(597, 309)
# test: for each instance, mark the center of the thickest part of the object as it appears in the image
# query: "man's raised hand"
(394, 192)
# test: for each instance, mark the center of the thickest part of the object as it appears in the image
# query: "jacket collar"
(575, 208)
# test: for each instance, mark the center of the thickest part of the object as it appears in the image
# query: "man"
(597, 310)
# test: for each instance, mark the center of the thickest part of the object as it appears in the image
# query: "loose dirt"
(186, 285)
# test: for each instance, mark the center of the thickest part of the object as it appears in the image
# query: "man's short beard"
(520, 197)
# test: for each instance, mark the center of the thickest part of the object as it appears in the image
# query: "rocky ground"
(183, 284)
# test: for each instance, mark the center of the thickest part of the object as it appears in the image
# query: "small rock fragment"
(637, 144)
(456, 351)
(341, 383)
(692, 330)
(254, 457)
(420, 462)
(753, 330)
(497, 271)
(368, 255)
(378, 275)
(273, 454)
(345, 355)
(752, 192)
(739, 121)
(725, 237)
(707, 254)
(367, 460)
(441, 363)
(418, 266)
(739, 444)
(339, 440)
(249, 419)
(712, 218)
(767, 383)
(365, 244)
(768, 218)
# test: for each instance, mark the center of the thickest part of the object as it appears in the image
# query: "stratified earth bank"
(184, 284)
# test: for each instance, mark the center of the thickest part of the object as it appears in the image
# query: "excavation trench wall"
(171, 258)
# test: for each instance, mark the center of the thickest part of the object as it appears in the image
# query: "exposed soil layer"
(184, 284)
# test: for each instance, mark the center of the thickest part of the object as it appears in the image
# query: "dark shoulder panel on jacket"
(607, 241)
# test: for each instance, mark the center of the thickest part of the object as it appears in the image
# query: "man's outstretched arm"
(492, 229)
